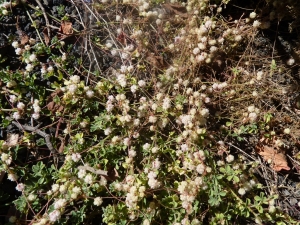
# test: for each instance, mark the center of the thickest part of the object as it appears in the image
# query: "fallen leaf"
(155, 61)
(46, 37)
(176, 9)
(52, 106)
(66, 28)
(275, 158)
(124, 39)
(62, 146)
(24, 38)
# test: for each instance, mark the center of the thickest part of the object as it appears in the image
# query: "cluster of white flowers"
(192, 122)
(45, 69)
(6, 158)
(152, 179)
(18, 50)
(152, 174)
(219, 86)
(60, 203)
(110, 104)
(135, 191)
(55, 187)
(76, 157)
(50, 69)
(13, 98)
(21, 106)
(256, 24)
(5, 4)
(32, 58)
(98, 201)
(64, 56)
(245, 184)
(131, 152)
(229, 158)
(290, 61)
(12, 177)
(88, 179)
(72, 86)
(252, 114)
(121, 79)
(54, 215)
(36, 109)
(259, 75)
(188, 191)
(132, 197)
(193, 161)
(20, 187)
(75, 192)
(166, 103)
(89, 93)
(11, 84)
(252, 15)
(81, 174)
(16, 115)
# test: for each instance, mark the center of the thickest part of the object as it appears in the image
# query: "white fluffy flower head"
(256, 24)
(98, 201)
(252, 15)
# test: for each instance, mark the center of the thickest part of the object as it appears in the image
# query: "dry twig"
(39, 132)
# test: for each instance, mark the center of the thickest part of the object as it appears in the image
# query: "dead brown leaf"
(46, 37)
(24, 38)
(176, 9)
(52, 106)
(275, 158)
(62, 146)
(156, 61)
(66, 28)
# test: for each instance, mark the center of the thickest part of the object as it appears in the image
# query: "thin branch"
(45, 16)
(92, 170)
(241, 150)
(39, 132)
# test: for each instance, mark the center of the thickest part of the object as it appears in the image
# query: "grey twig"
(45, 16)
(240, 150)
(38, 131)
(92, 170)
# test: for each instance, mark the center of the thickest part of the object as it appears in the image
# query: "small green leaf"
(222, 193)
(228, 123)
(236, 179)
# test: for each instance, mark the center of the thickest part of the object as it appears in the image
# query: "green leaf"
(273, 65)
(40, 142)
(21, 203)
(222, 170)
(229, 178)
(222, 193)
(260, 209)
(228, 123)
(236, 179)
(257, 198)
(41, 180)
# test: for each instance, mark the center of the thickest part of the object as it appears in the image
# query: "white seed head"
(242, 191)
(256, 24)
(15, 44)
(287, 131)
(252, 15)
(32, 57)
(290, 62)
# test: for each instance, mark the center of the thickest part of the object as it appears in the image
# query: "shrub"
(153, 137)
